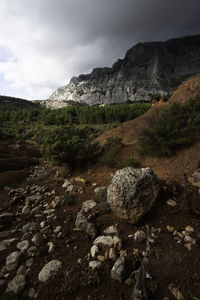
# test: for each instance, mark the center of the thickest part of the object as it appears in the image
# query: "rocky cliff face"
(147, 68)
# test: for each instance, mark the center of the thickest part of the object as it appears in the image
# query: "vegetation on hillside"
(66, 135)
(175, 127)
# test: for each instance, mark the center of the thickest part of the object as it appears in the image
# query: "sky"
(43, 43)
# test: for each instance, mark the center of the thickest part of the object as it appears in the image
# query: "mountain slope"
(7, 102)
(147, 68)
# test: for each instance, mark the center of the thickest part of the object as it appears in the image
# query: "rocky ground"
(59, 239)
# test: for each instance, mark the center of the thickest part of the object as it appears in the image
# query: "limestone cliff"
(147, 68)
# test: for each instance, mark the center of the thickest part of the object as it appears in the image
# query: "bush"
(69, 145)
(129, 162)
(174, 128)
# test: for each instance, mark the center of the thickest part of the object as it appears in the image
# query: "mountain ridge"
(147, 68)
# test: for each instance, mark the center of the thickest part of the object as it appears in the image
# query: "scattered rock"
(51, 247)
(188, 239)
(23, 246)
(66, 183)
(6, 243)
(29, 262)
(94, 250)
(17, 285)
(140, 236)
(38, 239)
(81, 221)
(189, 229)
(170, 228)
(188, 246)
(57, 229)
(88, 205)
(12, 261)
(95, 264)
(104, 242)
(50, 269)
(132, 193)
(111, 230)
(118, 270)
(31, 293)
(21, 270)
(2, 283)
(171, 203)
(80, 180)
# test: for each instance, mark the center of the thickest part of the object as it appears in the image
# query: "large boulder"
(132, 193)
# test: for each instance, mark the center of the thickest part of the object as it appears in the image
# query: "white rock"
(49, 270)
(12, 261)
(66, 183)
(95, 264)
(117, 272)
(23, 246)
(104, 242)
(17, 285)
(189, 229)
(51, 247)
(42, 224)
(57, 229)
(188, 239)
(171, 202)
(140, 236)
(81, 221)
(94, 250)
(111, 230)
(88, 205)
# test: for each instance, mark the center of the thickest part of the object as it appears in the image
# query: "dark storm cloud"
(68, 37)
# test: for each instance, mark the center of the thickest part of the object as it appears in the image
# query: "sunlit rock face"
(147, 68)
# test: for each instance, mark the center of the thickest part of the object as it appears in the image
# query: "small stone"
(101, 258)
(31, 293)
(170, 228)
(66, 183)
(31, 251)
(81, 221)
(88, 205)
(104, 242)
(80, 180)
(94, 250)
(12, 261)
(51, 247)
(171, 203)
(6, 243)
(23, 246)
(21, 270)
(118, 270)
(6, 218)
(111, 230)
(29, 262)
(38, 239)
(94, 184)
(140, 236)
(95, 264)
(17, 285)
(188, 246)
(42, 224)
(57, 229)
(189, 229)
(79, 261)
(49, 270)
(188, 239)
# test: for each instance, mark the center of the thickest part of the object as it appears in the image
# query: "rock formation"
(147, 68)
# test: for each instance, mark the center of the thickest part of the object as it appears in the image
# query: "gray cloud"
(53, 40)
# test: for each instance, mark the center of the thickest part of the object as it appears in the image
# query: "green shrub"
(69, 145)
(129, 162)
(175, 127)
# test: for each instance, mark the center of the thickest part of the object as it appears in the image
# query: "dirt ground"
(170, 262)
